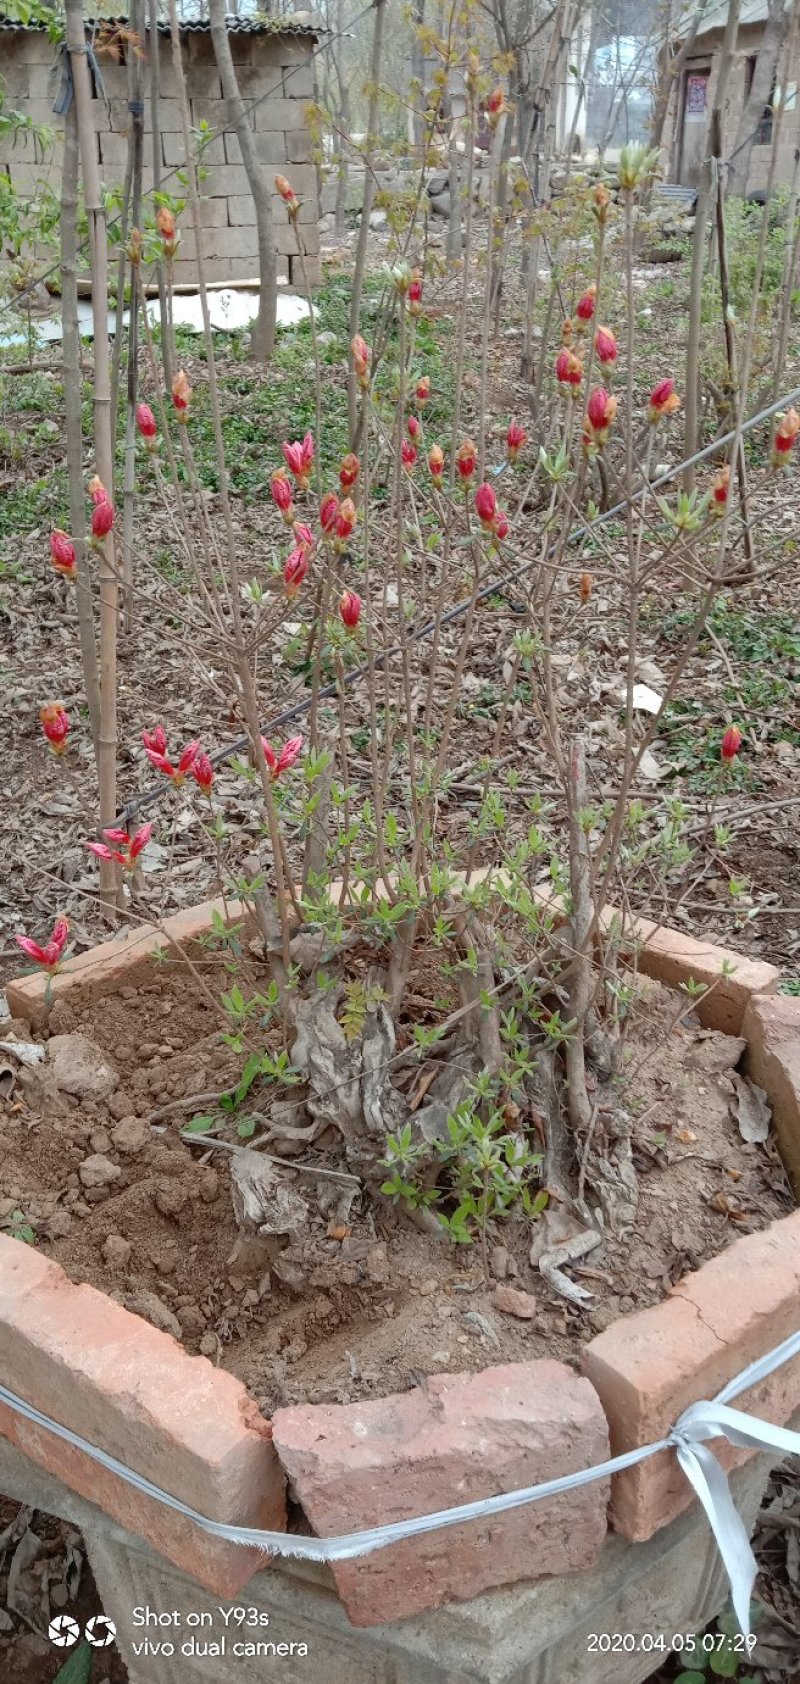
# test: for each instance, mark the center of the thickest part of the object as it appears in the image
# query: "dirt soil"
(56, 1580)
(354, 1309)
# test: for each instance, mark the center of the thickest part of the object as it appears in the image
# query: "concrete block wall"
(276, 73)
(707, 51)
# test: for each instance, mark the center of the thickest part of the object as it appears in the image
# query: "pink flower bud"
(408, 451)
(328, 511)
(294, 570)
(299, 457)
(436, 461)
(585, 307)
(465, 459)
(282, 495)
(278, 763)
(664, 400)
(346, 518)
(500, 526)
(423, 389)
(414, 427)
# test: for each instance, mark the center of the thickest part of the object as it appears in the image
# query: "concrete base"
(539, 1633)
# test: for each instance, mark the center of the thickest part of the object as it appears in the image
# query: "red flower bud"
(731, 743)
(127, 849)
(664, 400)
(203, 772)
(500, 526)
(605, 345)
(299, 458)
(436, 461)
(62, 554)
(146, 421)
(720, 487)
(361, 359)
(349, 471)
(155, 739)
(515, 439)
(414, 427)
(287, 194)
(585, 307)
(785, 435)
(485, 506)
(408, 451)
(465, 459)
(423, 389)
(97, 490)
(414, 293)
(569, 368)
(350, 609)
(294, 570)
(282, 495)
(600, 412)
(50, 954)
(346, 518)
(278, 763)
(181, 394)
(102, 519)
(55, 725)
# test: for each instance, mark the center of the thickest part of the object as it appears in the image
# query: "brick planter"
(105, 1373)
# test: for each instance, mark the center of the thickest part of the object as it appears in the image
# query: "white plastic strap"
(700, 1421)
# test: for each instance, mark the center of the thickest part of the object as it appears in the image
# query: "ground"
(739, 888)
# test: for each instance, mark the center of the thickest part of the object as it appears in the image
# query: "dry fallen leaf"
(750, 1108)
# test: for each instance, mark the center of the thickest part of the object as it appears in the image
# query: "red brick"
(128, 958)
(459, 1438)
(674, 958)
(132, 1391)
(771, 1028)
(647, 1368)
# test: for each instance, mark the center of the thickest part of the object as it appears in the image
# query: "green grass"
(764, 651)
(260, 408)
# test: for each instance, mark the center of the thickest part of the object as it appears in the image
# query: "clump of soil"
(359, 1302)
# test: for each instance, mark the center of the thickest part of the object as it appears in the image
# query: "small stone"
(250, 1299)
(79, 1066)
(100, 1141)
(120, 1105)
(154, 1310)
(498, 1262)
(209, 1185)
(170, 1197)
(117, 1251)
(513, 1302)
(131, 1135)
(58, 1226)
(378, 1264)
(208, 1345)
(426, 1288)
(98, 1171)
(191, 1319)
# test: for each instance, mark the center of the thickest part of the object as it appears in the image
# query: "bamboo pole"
(73, 406)
(103, 435)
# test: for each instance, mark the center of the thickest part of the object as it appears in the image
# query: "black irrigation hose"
(498, 586)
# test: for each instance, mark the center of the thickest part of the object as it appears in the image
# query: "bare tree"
(263, 341)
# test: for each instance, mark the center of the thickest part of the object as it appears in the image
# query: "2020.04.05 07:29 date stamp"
(691, 1646)
(236, 1632)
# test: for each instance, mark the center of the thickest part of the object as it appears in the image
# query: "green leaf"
(724, 1663)
(76, 1670)
(690, 1678)
(200, 1125)
(246, 1128)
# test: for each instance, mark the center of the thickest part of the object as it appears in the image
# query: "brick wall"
(275, 72)
(707, 52)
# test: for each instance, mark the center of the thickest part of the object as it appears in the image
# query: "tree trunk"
(155, 127)
(760, 94)
(263, 340)
(136, 156)
(343, 168)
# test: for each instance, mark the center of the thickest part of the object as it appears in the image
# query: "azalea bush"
(382, 596)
